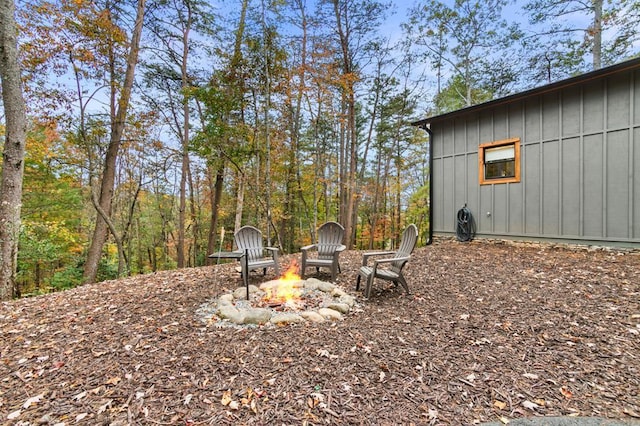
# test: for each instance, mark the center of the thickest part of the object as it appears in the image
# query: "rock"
(330, 314)
(240, 293)
(257, 316)
(232, 314)
(312, 316)
(348, 299)
(343, 308)
(326, 287)
(225, 300)
(286, 318)
(338, 292)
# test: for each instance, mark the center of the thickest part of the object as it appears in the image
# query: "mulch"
(491, 331)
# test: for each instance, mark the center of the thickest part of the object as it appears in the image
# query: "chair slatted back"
(407, 244)
(250, 239)
(330, 236)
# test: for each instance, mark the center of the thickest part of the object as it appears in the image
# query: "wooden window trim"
(481, 149)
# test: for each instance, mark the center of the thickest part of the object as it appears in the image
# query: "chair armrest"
(309, 247)
(366, 256)
(273, 249)
(341, 248)
(391, 259)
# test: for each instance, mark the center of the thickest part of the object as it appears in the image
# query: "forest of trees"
(137, 131)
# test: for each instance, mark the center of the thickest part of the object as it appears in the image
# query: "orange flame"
(286, 289)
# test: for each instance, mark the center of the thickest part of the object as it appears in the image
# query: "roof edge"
(571, 81)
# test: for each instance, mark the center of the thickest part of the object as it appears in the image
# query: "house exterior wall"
(580, 165)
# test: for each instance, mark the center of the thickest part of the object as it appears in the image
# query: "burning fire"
(286, 289)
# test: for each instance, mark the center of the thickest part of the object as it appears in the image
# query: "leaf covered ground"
(492, 331)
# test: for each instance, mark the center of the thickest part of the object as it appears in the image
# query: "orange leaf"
(566, 392)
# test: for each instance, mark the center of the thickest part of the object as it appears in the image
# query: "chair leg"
(367, 290)
(402, 281)
(358, 283)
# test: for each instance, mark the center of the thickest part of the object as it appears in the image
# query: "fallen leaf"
(226, 398)
(113, 381)
(504, 420)
(323, 353)
(79, 396)
(234, 405)
(104, 407)
(187, 399)
(32, 400)
(432, 414)
(530, 405)
(530, 376)
(14, 415)
(382, 376)
(501, 405)
(566, 392)
(81, 416)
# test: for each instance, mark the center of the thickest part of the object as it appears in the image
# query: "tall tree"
(606, 31)
(171, 76)
(468, 41)
(354, 22)
(14, 149)
(119, 108)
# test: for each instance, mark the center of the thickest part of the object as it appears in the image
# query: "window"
(499, 162)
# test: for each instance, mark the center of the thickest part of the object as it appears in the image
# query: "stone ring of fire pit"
(279, 302)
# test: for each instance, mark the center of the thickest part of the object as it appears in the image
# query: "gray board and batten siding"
(579, 162)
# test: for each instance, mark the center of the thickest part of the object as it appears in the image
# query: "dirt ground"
(490, 332)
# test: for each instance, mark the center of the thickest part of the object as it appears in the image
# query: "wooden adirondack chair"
(395, 262)
(258, 257)
(328, 248)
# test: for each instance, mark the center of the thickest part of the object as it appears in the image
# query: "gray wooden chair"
(258, 257)
(328, 248)
(392, 265)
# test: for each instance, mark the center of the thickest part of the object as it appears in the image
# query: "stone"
(338, 292)
(257, 316)
(241, 293)
(343, 308)
(326, 287)
(286, 318)
(312, 316)
(348, 299)
(232, 314)
(330, 314)
(225, 300)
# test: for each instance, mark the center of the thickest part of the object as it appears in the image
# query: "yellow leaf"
(501, 405)
(113, 381)
(226, 398)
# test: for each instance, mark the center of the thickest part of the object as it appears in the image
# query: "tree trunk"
(216, 196)
(14, 149)
(597, 34)
(108, 175)
(185, 140)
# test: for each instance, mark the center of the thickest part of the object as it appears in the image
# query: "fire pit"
(286, 300)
